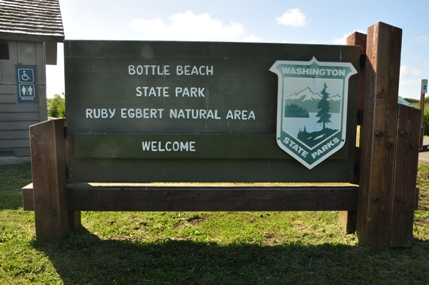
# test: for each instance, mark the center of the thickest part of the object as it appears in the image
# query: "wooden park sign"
(146, 112)
(207, 112)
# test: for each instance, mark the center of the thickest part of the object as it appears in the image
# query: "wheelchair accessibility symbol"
(26, 75)
(26, 83)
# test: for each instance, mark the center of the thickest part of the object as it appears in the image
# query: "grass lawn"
(202, 247)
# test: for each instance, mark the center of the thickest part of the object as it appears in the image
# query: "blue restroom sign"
(26, 84)
(424, 86)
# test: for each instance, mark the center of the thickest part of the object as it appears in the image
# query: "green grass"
(202, 247)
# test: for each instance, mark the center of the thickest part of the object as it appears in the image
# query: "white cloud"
(292, 17)
(188, 26)
(252, 39)
(421, 39)
(410, 88)
(407, 71)
(340, 41)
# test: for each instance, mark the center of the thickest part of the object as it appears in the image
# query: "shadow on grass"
(85, 259)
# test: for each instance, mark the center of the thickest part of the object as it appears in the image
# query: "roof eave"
(31, 37)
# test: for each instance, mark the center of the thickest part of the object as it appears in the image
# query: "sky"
(306, 22)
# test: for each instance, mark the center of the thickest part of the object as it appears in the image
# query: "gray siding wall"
(15, 118)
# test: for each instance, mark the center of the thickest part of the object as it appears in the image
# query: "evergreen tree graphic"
(324, 106)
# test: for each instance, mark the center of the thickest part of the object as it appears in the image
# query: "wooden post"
(422, 108)
(48, 158)
(379, 135)
(422, 105)
(359, 39)
(348, 218)
(407, 157)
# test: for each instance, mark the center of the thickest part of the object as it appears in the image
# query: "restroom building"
(29, 33)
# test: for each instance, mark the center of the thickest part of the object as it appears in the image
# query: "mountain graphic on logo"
(304, 95)
(308, 100)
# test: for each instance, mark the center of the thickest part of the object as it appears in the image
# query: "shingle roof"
(33, 20)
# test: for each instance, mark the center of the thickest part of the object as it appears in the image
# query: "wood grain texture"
(86, 197)
(359, 39)
(407, 156)
(48, 157)
(348, 219)
(379, 151)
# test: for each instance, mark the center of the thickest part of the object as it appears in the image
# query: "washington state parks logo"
(312, 108)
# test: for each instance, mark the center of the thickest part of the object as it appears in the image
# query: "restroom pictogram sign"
(26, 84)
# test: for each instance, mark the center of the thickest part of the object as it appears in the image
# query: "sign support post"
(424, 90)
(348, 218)
(386, 145)
(48, 160)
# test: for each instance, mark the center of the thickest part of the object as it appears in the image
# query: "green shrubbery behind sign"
(57, 106)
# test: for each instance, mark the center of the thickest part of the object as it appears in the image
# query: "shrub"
(57, 106)
(413, 101)
(426, 120)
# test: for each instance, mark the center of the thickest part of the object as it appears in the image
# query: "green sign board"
(198, 111)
